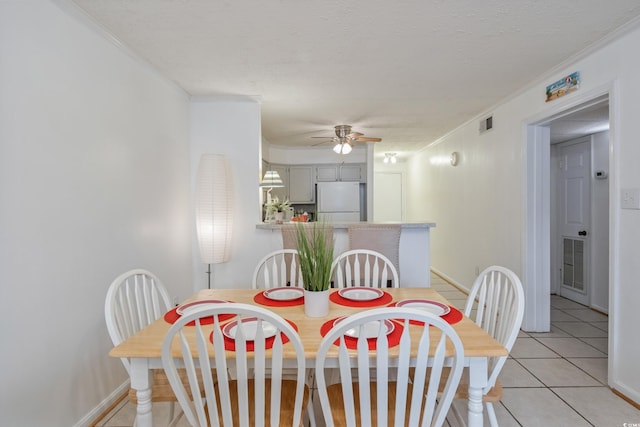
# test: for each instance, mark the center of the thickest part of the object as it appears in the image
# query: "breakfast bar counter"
(414, 247)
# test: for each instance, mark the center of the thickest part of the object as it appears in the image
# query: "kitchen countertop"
(345, 225)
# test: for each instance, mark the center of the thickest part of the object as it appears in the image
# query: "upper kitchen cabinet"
(343, 172)
(301, 188)
(326, 173)
(353, 172)
(298, 183)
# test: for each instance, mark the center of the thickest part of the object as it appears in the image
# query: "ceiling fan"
(345, 139)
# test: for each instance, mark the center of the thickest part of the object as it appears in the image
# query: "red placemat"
(352, 343)
(452, 317)
(230, 343)
(386, 298)
(262, 300)
(172, 315)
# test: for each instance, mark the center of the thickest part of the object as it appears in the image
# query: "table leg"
(141, 382)
(477, 382)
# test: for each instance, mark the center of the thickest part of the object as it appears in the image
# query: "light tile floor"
(557, 378)
(551, 379)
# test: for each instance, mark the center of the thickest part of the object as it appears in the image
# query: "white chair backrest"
(498, 298)
(192, 347)
(134, 300)
(278, 268)
(363, 267)
(431, 340)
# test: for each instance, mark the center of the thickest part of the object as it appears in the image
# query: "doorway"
(580, 209)
(537, 225)
(538, 191)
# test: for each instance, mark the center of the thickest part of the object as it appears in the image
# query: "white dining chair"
(134, 300)
(496, 304)
(363, 267)
(405, 400)
(278, 268)
(282, 268)
(253, 397)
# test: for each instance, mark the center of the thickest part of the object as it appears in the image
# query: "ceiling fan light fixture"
(342, 148)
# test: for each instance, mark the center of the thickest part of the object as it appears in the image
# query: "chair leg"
(311, 383)
(171, 410)
(310, 413)
(492, 414)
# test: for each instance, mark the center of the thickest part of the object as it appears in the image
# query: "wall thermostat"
(600, 175)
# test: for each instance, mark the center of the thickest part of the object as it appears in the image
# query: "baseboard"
(106, 405)
(625, 397)
(600, 310)
(450, 280)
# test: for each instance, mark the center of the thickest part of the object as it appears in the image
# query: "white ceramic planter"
(316, 304)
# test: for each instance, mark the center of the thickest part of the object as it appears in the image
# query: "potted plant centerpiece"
(315, 251)
(276, 208)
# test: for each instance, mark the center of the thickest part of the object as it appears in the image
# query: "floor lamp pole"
(209, 275)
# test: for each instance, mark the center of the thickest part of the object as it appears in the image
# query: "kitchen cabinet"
(298, 183)
(344, 172)
(352, 172)
(301, 189)
(326, 173)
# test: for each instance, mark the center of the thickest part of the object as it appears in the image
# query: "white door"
(574, 203)
(387, 197)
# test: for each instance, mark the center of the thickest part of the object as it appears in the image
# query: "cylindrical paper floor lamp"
(214, 210)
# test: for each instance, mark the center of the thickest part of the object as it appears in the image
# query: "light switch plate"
(630, 198)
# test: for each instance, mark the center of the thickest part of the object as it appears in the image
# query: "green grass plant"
(315, 255)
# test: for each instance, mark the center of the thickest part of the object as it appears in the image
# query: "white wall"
(94, 168)
(312, 155)
(478, 205)
(232, 128)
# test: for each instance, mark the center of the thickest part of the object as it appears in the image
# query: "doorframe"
(536, 209)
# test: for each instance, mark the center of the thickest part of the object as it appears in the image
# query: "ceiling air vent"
(486, 124)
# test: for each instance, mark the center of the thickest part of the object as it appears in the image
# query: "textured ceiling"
(407, 72)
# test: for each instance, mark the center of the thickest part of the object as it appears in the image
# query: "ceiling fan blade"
(323, 137)
(366, 139)
(355, 135)
(320, 143)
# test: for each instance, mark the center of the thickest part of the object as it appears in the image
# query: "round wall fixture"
(454, 158)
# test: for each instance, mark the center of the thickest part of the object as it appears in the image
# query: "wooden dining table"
(144, 348)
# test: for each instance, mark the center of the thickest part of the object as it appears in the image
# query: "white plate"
(284, 294)
(371, 329)
(250, 329)
(360, 294)
(190, 307)
(434, 307)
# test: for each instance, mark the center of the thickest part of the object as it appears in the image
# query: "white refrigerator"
(338, 201)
